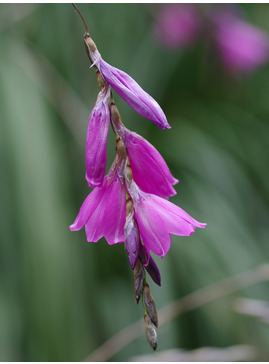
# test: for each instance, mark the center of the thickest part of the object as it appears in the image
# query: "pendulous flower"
(95, 154)
(127, 88)
(149, 169)
(157, 218)
(103, 212)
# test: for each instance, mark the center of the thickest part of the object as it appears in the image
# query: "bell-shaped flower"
(103, 212)
(95, 154)
(149, 169)
(127, 88)
(157, 218)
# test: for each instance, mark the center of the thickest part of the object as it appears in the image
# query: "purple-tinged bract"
(95, 154)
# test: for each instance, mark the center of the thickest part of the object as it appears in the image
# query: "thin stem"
(185, 304)
(84, 21)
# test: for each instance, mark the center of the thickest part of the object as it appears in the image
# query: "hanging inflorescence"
(129, 204)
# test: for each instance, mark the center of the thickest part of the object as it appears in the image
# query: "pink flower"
(157, 218)
(177, 25)
(95, 154)
(150, 170)
(104, 210)
(242, 46)
(128, 89)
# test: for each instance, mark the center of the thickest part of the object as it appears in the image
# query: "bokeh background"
(207, 66)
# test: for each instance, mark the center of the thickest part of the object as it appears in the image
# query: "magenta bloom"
(96, 139)
(150, 170)
(157, 218)
(129, 90)
(104, 210)
(242, 47)
(177, 25)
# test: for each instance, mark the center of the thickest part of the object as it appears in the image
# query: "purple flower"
(96, 139)
(242, 46)
(150, 171)
(177, 25)
(104, 210)
(157, 218)
(128, 89)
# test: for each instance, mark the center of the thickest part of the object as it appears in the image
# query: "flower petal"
(87, 209)
(95, 154)
(157, 218)
(177, 220)
(153, 232)
(150, 170)
(129, 90)
(109, 217)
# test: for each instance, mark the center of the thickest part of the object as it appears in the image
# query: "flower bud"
(138, 280)
(150, 305)
(128, 89)
(150, 265)
(150, 332)
(131, 235)
(95, 153)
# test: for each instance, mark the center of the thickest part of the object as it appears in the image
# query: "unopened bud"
(131, 235)
(150, 305)
(150, 265)
(138, 280)
(150, 332)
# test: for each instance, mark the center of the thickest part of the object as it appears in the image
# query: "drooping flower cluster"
(130, 204)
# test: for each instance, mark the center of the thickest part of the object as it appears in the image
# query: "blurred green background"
(61, 297)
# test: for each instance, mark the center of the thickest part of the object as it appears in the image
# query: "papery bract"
(95, 154)
(157, 218)
(104, 210)
(149, 169)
